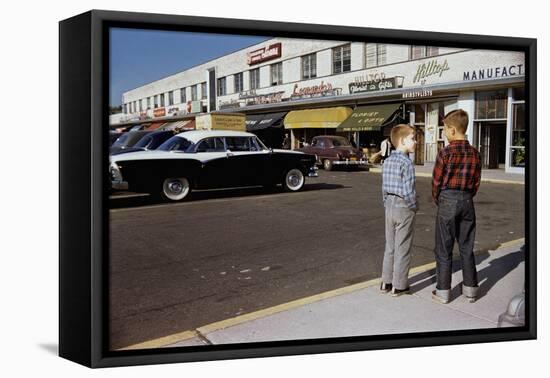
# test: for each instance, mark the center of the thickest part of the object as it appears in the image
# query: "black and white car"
(203, 159)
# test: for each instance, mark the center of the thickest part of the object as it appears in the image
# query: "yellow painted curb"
(163, 341)
(186, 335)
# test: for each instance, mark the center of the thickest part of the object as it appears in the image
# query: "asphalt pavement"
(178, 268)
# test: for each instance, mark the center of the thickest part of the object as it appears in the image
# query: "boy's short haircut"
(400, 131)
(458, 119)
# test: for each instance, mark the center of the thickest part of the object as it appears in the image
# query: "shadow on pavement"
(117, 202)
(487, 277)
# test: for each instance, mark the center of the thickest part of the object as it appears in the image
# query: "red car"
(332, 150)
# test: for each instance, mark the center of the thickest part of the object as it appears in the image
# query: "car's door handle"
(229, 154)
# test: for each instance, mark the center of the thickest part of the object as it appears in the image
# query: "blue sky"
(138, 57)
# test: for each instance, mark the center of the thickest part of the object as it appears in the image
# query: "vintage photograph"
(269, 189)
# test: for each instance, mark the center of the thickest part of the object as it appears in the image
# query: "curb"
(216, 326)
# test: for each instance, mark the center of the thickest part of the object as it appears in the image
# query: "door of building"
(490, 140)
(419, 151)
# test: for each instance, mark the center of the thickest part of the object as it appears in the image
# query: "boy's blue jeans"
(456, 220)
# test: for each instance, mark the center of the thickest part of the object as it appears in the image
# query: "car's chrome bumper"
(119, 185)
(313, 172)
(350, 162)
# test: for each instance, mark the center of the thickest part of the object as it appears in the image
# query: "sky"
(138, 57)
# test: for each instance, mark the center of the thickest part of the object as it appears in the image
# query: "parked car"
(206, 160)
(127, 140)
(113, 136)
(149, 142)
(332, 150)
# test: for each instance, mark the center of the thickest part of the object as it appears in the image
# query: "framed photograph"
(234, 188)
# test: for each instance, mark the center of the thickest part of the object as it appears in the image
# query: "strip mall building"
(306, 87)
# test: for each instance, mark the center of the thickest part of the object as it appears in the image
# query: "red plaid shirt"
(458, 167)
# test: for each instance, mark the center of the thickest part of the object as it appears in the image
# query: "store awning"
(264, 121)
(153, 126)
(369, 118)
(179, 125)
(317, 118)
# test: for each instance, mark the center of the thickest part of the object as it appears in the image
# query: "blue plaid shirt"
(398, 178)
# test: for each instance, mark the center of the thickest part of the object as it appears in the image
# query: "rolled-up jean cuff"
(470, 291)
(443, 294)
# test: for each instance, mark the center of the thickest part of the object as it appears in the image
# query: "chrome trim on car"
(350, 162)
(313, 172)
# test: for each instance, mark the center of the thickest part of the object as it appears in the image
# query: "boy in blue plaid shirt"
(399, 195)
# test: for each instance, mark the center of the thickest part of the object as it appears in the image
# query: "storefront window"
(491, 105)
(518, 136)
(519, 94)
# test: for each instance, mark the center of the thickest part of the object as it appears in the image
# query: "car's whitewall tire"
(175, 188)
(294, 180)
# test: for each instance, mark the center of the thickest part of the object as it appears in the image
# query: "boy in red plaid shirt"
(456, 177)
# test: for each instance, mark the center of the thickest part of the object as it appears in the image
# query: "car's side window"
(211, 145)
(237, 144)
(321, 143)
(254, 146)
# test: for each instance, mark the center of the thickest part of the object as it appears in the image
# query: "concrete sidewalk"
(498, 176)
(361, 309)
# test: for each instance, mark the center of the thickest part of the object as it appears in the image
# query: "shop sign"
(494, 73)
(159, 112)
(247, 94)
(230, 105)
(269, 98)
(173, 110)
(379, 85)
(418, 93)
(264, 54)
(429, 69)
(193, 106)
(320, 90)
(234, 122)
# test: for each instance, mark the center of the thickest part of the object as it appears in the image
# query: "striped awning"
(369, 118)
(187, 124)
(153, 126)
(264, 121)
(317, 118)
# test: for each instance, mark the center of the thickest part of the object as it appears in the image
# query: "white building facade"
(281, 76)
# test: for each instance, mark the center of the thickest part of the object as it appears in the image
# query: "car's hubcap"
(294, 179)
(176, 189)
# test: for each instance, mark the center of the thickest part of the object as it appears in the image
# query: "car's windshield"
(144, 142)
(121, 140)
(176, 143)
(340, 142)
(151, 142)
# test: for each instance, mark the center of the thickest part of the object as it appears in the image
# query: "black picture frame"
(83, 197)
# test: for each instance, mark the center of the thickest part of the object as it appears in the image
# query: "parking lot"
(220, 254)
